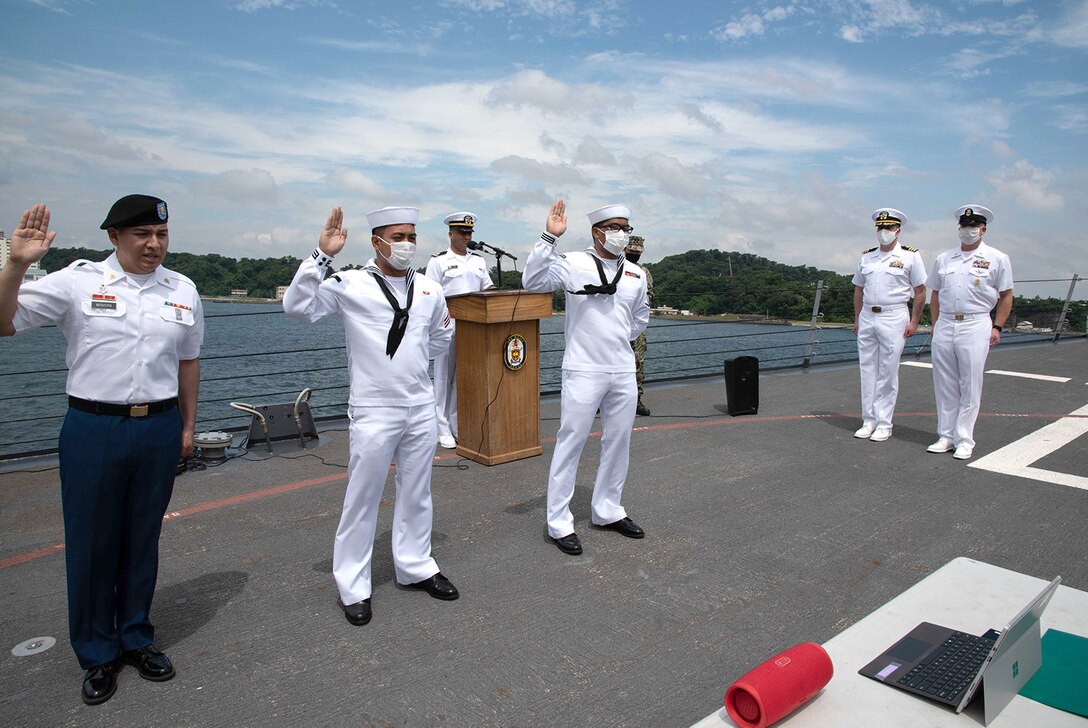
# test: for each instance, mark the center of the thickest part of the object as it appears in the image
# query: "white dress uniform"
(456, 274)
(598, 372)
(967, 285)
(887, 280)
(391, 408)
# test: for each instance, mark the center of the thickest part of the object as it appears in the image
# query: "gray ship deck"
(762, 531)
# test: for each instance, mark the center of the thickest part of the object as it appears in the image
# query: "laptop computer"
(947, 665)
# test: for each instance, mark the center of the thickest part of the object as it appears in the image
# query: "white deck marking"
(1016, 457)
(922, 364)
(1025, 375)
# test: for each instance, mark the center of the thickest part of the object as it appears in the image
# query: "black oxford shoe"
(151, 663)
(100, 683)
(641, 409)
(358, 613)
(627, 527)
(438, 587)
(569, 544)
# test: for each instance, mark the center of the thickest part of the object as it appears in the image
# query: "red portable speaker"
(779, 686)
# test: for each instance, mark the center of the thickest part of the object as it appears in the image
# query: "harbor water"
(253, 353)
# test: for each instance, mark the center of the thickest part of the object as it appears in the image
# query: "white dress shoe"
(880, 434)
(962, 453)
(864, 432)
(447, 442)
(942, 445)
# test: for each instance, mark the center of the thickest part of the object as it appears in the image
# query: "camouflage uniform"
(637, 245)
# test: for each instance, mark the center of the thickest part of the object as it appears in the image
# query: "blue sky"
(766, 127)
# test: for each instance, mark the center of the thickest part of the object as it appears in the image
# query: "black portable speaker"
(742, 385)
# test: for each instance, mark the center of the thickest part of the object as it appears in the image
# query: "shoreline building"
(34, 273)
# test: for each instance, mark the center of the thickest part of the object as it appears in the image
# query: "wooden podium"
(498, 373)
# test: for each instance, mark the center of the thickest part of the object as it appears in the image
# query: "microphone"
(481, 245)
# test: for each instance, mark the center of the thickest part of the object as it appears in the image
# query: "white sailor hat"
(608, 212)
(392, 216)
(888, 216)
(975, 215)
(461, 219)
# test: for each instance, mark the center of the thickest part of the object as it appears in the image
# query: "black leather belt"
(122, 410)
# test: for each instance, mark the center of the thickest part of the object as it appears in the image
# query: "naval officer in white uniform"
(887, 277)
(606, 309)
(967, 283)
(458, 270)
(394, 321)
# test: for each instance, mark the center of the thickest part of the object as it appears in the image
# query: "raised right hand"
(557, 219)
(333, 236)
(31, 240)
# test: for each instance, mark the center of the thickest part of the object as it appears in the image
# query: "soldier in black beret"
(134, 331)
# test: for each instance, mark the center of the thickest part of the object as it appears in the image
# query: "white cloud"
(1028, 186)
(674, 178)
(591, 151)
(539, 171)
(535, 88)
(851, 33)
(355, 181)
(238, 185)
(1071, 29)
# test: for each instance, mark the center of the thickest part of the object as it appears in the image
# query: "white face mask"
(885, 236)
(969, 235)
(400, 254)
(616, 242)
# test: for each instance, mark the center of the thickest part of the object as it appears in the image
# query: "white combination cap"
(975, 215)
(888, 216)
(461, 219)
(392, 216)
(608, 212)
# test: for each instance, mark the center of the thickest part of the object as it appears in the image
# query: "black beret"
(133, 210)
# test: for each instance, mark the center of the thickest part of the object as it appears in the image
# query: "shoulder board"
(442, 252)
(869, 250)
(911, 248)
(473, 252)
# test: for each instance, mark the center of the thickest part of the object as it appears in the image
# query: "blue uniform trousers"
(117, 475)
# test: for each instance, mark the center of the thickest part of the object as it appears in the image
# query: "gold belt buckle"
(877, 309)
(137, 410)
(960, 317)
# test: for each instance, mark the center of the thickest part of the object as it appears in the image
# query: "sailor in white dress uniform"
(458, 270)
(606, 308)
(394, 321)
(887, 277)
(967, 283)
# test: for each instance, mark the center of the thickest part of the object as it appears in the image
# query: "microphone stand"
(497, 252)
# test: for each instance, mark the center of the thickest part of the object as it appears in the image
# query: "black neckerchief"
(606, 287)
(400, 315)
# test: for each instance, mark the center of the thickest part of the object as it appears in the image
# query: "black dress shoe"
(358, 613)
(100, 683)
(627, 527)
(438, 587)
(151, 663)
(641, 409)
(569, 544)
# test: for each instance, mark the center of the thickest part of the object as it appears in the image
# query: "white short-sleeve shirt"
(125, 338)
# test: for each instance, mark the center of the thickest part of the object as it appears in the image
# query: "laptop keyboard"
(950, 669)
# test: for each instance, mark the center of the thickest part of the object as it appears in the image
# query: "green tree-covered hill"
(713, 282)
